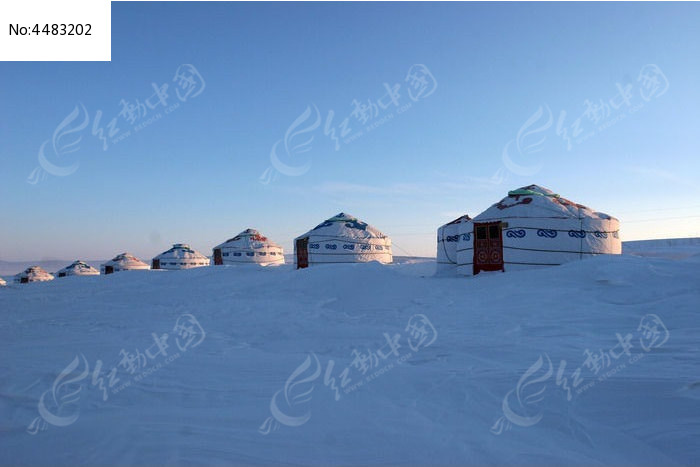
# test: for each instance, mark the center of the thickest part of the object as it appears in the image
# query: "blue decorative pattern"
(378, 247)
(351, 223)
(466, 237)
(366, 247)
(600, 234)
(355, 224)
(577, 233)
(548, 233)
(348, 246)
(616, 234)
(331, 246)
(452, 238)
(515, 233)
(314, 246)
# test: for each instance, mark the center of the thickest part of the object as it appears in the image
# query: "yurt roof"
(537, 201)
(126, 258)
(459, 220)
(79, 265)
(345, 226)
(181, 251)
(35, 271)
(246, 239)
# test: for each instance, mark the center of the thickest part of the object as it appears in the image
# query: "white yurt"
(122, 262)
(78, 268)
(341, 239)
(33, 274)
(180, 256)
(447, 240)
(249, 247)
(533, 227)
(2, 282)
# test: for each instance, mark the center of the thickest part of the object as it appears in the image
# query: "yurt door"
(24, 280)
(488, 247)
(302, 253)
(109, 269)
(218, 260)
(156, 264)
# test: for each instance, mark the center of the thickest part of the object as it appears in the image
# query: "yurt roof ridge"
(350, 222)
(248, 233)
(180, 246)
(567, 208)
(464, 217)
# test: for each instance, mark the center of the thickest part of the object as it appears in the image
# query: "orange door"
(488, 247)
(302, 247)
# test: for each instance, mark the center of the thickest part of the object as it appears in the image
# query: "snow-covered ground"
(356, 364)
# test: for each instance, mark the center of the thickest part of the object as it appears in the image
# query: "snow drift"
(592, 362)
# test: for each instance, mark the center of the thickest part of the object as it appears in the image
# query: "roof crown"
(537, 201)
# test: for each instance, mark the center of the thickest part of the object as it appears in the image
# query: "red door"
(302, 247)
(488, 247)
(218, 260)
(156, 264)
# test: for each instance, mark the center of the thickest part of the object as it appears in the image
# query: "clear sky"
(598, 102)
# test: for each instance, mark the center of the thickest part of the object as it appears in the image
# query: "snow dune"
(275, 331)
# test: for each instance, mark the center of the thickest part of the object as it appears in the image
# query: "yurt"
(341, 239)
(249, 247)
(448, 238)
(180, 256)
(78, 268)
(2, 282)
(123, 262)
(33, 274)
(533, 227)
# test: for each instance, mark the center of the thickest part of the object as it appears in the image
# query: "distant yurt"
(448, 238)
(180, 256)
(533, 227)
(2, 282)
(33, 274)
(249, 247)
(341, 239)
(123, 262)
(78, 268)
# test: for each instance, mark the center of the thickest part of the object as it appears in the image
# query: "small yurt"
(533, 227)
(33, 274)
(123, 262)
(341, 239)
(448, 239)
(78, 268)
(249, 247)
(180, 256)
(2, 282)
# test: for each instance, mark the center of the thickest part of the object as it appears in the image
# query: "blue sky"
(490, 78)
